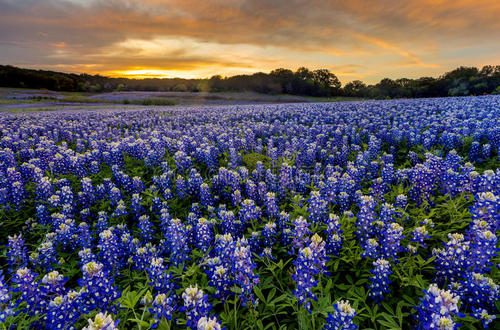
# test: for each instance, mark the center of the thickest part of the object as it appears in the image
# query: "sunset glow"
(193, 39)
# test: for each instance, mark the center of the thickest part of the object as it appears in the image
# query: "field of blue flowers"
(375, 214)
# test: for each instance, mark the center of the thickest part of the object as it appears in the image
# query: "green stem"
(135, 317)
(143, 312)
(235, 315)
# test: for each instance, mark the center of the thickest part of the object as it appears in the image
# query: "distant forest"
(321, 82)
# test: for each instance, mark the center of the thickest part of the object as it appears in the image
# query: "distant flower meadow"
(376, 214)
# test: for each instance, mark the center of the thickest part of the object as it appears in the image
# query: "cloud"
(189, 37)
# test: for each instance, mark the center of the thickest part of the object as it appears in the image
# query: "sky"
(355, 39)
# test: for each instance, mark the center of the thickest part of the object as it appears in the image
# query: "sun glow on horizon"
(199, 39)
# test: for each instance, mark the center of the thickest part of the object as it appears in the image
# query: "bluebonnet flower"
(371, 248)
(251, 190)
(86, 194)
(121, 209)
(333, 233)
(206, 198)
(136, 205)
(343, 200)
(286, 183)
(422, 178)
(52, 285)
(419, 234)
(318, 208)
(5, 297)
(483, 316)
(269, 234)
(137, 185)
(66, 195)
(165, 219)
(146, 227)
(182, 161)
(489, 181)
(379, 285)
(267, 253)
(85, 214)
(42, 214)
(318, 246)
(161, 280)
(194, 182)
(143, 255)
(256, 242)
(401, 201)
(177, 241)
(98, 290)
(300, 233)
(437, 309)
(374, 146)
(224, 249)
(17, 195)
(390, 244)
(208, 323)
(272, 208)
(28, 286)
(115, 195)
(109, 250)
(365, 218)
(261, 192)
(63, 311)
(220, 277)
(244, 276)
(249, 211)
(283, 221)
(486, 151)
(236, 197)
(453, 260)
(342, 318)
(55, 201)
(102, 221)
(487, 208)
(86, 256)
(163, 307)
(483, 249)
(474, 151)
(94, 167)
(477, 291)
(47, 255)
(204, 234)
(16, 252)
(309, 263)
(83, 236)
(44, 189)
(181, 187)
(102, 321)
(196, 305)
(379, 188)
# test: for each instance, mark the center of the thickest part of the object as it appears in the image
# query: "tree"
(284, 77)
(327, 81)
(355, 88)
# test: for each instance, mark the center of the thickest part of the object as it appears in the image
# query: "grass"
(145, 101)
(333, 98)
(14, 101)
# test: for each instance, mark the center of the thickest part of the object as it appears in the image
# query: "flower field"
(369, 215)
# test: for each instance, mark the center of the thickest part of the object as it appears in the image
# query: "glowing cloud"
(356, 39)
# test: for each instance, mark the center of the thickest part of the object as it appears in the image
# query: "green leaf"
(259, 294)
(271, 294)
(140, 322)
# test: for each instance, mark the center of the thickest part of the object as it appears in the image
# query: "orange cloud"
(58, 44)
(383, 38)
(398, 50)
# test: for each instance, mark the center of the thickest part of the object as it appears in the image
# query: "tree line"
(303, 81)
